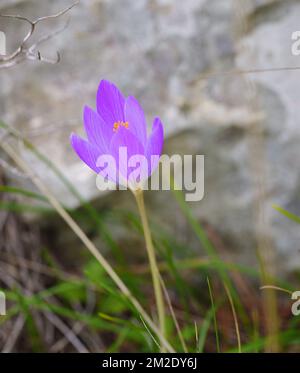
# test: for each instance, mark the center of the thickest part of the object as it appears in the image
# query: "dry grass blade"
(237, 329)
(265, 287)
(9, 345)
(149, 332)
(196, 333)
(69, 334)
(173, 316)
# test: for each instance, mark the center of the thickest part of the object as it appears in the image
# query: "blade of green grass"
(204, 330)
(21, 207)
(214, 315)
(23, 192)
(287, 214)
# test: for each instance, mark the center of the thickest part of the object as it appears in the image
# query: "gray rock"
(163, 52)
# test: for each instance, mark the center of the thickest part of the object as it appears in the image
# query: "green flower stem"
(139, 196)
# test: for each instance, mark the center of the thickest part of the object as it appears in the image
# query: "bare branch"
(22, 52)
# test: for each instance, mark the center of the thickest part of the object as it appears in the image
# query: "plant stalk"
(139, 196)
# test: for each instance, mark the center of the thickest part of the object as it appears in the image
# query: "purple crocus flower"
(119, 124)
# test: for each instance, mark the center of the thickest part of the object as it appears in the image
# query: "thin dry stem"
(23, 52)
(139, 196)
(182, 341)
(237, 329)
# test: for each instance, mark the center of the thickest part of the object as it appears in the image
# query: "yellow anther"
(118, 124)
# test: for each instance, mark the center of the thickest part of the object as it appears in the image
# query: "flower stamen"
(118, 124)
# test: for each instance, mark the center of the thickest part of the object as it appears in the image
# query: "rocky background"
(193, 63)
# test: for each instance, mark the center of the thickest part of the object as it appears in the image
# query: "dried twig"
(23, 52)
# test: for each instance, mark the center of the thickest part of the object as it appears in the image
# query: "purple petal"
(108, 166)
(134, 114)
(125, 141)
(87, 152)
(98, 132)
(110, 103)
(155, 145)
